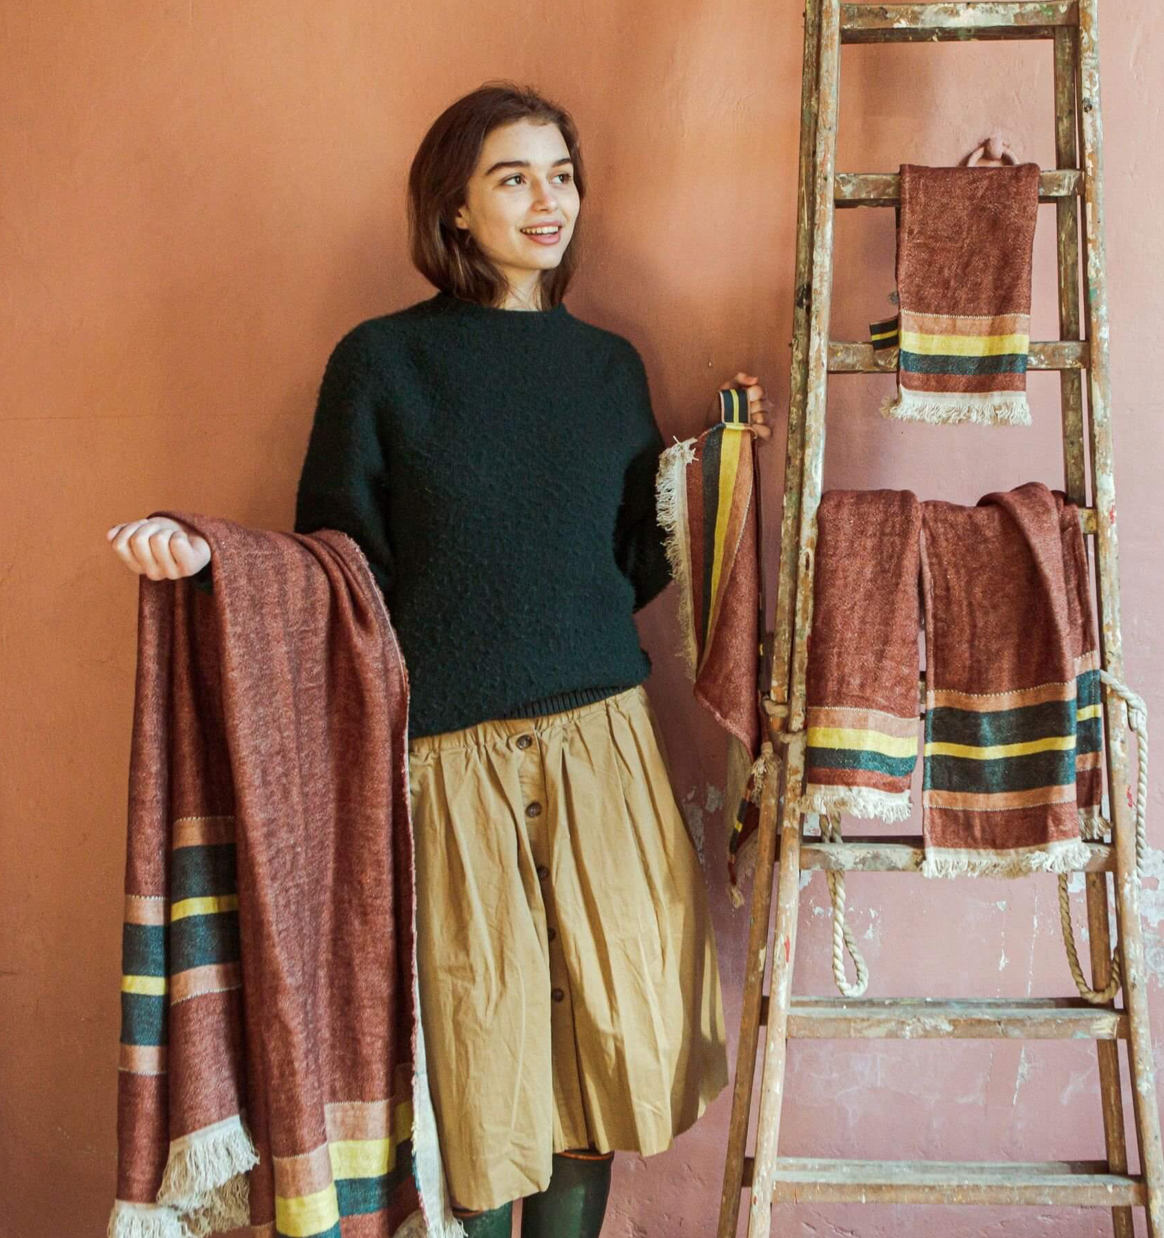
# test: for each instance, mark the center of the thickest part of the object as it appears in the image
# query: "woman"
(495, 459)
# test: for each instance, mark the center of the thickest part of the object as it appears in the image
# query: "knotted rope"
(843, 939)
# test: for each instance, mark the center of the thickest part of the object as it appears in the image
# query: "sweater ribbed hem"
(558, 701)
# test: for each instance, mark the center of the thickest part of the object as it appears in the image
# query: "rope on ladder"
(843, 939)
(1138, 721)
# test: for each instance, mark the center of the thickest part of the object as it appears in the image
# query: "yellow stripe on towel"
(205, 905)
(1061, 743)
(152, 986)
(862, 741)
(304, 1215)
(362, 1158)
(729, 462)
(964, 345)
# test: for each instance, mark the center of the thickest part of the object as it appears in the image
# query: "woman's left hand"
(758, 406)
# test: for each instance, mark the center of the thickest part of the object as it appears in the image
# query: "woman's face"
(523, 180)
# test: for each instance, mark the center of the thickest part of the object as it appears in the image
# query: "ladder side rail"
(818, 352)
(1066, 61)
(1115, 714)
(761, 1169)
(798, 386)
(760, 910)
(1107, 573)
(788, 892)
(1067, 253)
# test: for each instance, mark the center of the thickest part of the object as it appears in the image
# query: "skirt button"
(557, 994)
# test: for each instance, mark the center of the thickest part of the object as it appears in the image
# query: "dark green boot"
(574, 1204)
(494, 1223)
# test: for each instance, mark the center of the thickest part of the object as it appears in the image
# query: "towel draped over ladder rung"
(884, 188)
(851, 357)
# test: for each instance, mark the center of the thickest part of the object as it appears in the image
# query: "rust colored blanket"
(271, 1062)
(964, 250)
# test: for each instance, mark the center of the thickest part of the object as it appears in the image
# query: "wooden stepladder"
(1081, 358)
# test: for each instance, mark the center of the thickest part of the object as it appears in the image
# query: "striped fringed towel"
(964, 249)
(862, 683)
(1012, 731)
(707, 510)
(272, 1067)
(1013, 777)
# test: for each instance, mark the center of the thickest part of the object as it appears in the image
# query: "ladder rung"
(890, 853)
(911, 23)
(884, 188)
(918, 1018)
(850, 357)
(1072, 1184)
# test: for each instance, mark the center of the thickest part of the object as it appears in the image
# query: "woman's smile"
(543, 234)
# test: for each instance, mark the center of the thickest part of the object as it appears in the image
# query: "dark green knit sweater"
(497, 467)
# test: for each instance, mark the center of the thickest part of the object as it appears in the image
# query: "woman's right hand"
(160, 548)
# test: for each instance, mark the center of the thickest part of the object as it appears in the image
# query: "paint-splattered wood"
(1099, 410)
(899, 853)
(917, 1018)
(1071, 1184)
(884, 188)
(909, 23)
(1067, 263)
(772, 815)
(852, 357)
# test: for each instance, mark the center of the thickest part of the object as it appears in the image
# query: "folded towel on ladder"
(964, 249)
(1012, 770)
(1012, 687)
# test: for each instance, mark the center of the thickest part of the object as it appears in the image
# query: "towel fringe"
(436, 1218)
(1093, 827)
(671, 509)
(909, 405)
(205, 1178)
(412, 1226)
(1066, 858)
(130, 1220)
(865, 802)
(745, 866)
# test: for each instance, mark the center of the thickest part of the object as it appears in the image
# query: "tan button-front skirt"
(569, 988)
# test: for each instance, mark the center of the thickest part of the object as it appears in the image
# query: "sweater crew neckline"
(447, 302)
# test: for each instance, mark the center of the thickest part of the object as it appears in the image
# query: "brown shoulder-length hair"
(444, 254)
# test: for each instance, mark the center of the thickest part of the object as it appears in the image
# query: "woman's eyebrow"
(522, 163)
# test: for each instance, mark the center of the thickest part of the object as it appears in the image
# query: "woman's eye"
(517, 176)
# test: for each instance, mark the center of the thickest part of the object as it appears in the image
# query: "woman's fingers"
(141, 545)
(759, 406)
(158, 548)
(190, 553)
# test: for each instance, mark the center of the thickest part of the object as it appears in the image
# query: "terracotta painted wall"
(199, 197)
